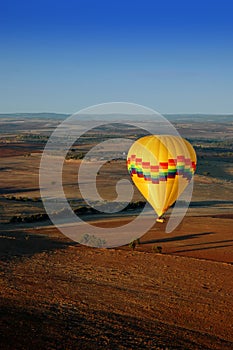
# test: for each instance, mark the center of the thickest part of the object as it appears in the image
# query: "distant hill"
(216, 118)
(180, 118)
(44, 115)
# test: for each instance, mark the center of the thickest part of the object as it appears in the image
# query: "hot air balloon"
(161, 166)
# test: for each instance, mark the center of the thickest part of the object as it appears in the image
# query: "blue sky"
(61, 56)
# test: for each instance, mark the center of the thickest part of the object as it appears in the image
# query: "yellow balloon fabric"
(161, 166)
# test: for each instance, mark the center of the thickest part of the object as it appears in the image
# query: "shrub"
(157, 249)
(134, 243)
(92, 241)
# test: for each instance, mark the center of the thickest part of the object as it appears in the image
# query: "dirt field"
(57, 294)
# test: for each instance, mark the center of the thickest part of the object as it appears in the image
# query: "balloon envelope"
(161, 166)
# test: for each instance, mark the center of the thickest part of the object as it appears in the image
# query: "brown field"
(58, 294)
